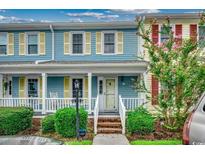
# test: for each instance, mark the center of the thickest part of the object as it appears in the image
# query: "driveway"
(27, 140)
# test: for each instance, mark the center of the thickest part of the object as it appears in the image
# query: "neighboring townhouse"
(40, 62)
(184, 26)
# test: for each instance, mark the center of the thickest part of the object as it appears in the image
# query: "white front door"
(110, 95)
(107, 92)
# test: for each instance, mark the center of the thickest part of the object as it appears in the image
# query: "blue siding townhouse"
(40, 62)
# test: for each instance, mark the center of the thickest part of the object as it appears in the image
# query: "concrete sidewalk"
(110, 139)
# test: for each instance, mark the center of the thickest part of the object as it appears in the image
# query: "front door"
(110, 95)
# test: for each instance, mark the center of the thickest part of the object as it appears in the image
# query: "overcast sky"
(79, 15)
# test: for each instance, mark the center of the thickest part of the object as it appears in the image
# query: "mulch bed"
(159, 134)
(35, 130)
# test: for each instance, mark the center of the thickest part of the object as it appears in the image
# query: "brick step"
(109, 125)
(110, 130)
(109, 119)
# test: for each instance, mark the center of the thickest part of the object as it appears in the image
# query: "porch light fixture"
(77, 86)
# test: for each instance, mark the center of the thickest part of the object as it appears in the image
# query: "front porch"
(46, 93)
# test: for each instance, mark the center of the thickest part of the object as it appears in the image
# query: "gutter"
(53, 48)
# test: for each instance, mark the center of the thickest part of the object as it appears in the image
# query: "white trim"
(71, 41)
(115, 43)
(7, 40)
(159, 29)
(26, 43)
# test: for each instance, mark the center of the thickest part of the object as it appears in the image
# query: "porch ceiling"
(64, 67)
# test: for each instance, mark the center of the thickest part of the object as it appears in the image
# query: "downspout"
(53, 48)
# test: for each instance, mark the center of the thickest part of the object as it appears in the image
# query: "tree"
(180, 69)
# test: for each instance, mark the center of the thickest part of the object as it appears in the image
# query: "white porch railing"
(96, 113)
(51, 104)
(122, 111)
(35, 103)
(132, 103)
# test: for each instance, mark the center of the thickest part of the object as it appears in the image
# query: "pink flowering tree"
(179, 66)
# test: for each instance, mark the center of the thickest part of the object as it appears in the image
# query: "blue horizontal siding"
(130, 48)
(56, 84)
(17, 57)
(126, 86)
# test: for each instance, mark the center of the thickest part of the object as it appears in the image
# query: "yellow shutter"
(42, 42)
(40, 87)
(98, 43)
(22, 44)
(88, 43)
(10, 44)
(66, 43)
(66, 87)
(22, 87)
(85, 89)
(119, 42)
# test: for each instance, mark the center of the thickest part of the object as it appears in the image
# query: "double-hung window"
(202, 36)
(77, 43)
(3, 43)
(109, 43)
(164, 34)
(32, 43)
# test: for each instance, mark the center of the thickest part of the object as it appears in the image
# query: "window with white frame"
(109, 43)
(32, 43)
(77, 43)
(32, 87)
(201, 36)
(164, 36)
(3, 43)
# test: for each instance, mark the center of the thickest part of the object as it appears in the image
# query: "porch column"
(44, 92)
(89, 91)
(1, 86)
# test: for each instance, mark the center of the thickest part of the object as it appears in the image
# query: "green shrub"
(48, 124)
(15, 119)
(140, 121)
(65, 121)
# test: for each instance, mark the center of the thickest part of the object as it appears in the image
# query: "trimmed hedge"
(65, 121)
(15, 119)
(140, 121)
(48, 124)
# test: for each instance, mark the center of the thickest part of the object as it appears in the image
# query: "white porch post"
(1, 86)
(89, 91)
(44, 92)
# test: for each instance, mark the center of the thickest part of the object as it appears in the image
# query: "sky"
(79, 15)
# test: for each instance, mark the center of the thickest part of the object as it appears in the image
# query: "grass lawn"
(83, 142)
(156, 142)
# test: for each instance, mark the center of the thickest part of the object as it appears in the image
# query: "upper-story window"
(32, 43)
(109, 43)
(164, 36)
(3, 43)
(202, 36)
(77, 42)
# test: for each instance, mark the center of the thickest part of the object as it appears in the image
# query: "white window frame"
(71, 38)
(6, 43)
(32, 33)
(115, 43)
(30, 77)
(173, 29)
